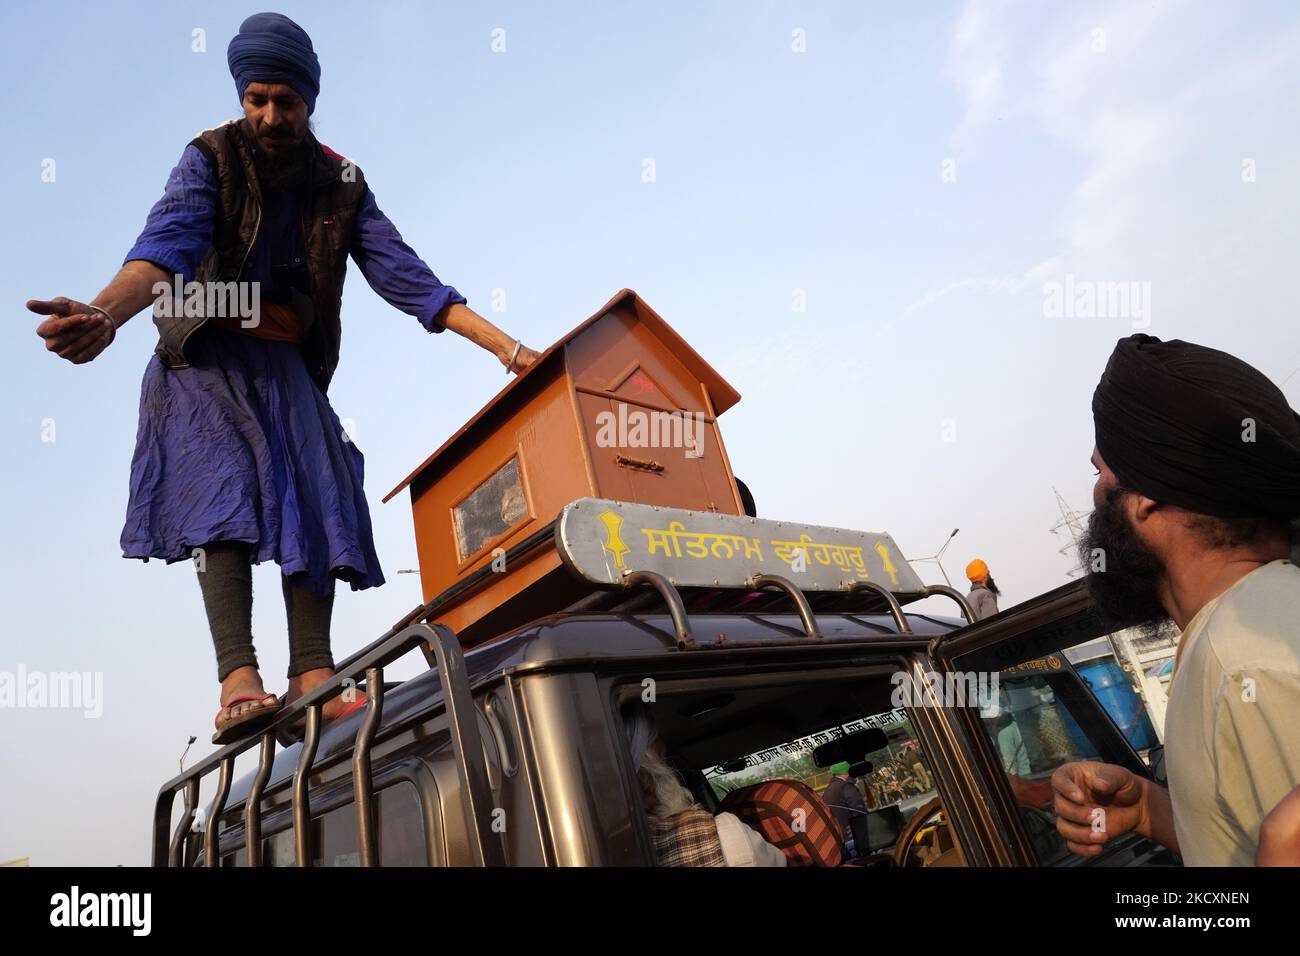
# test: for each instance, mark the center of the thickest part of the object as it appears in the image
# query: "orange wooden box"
(621, 407)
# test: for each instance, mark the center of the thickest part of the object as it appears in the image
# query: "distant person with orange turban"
(984, 593)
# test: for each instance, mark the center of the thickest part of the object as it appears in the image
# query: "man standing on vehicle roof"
(1198, 462)
(239, 456)
(984, 592)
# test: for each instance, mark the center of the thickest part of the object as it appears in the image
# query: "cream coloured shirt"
(742, 845)
(1232, 728)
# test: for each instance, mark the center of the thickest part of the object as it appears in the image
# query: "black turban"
(1175, 421)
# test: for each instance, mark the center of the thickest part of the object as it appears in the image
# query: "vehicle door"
(1035, 714)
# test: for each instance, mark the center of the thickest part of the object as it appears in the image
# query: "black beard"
(1123, 573)
(282, 169)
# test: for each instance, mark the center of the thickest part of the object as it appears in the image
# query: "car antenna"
(187, 750)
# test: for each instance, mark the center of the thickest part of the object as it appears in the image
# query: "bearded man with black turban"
(239, 457)
(1198, 462)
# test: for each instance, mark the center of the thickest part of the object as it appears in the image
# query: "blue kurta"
(242, 445)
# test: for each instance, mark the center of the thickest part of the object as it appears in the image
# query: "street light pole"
(938, 558)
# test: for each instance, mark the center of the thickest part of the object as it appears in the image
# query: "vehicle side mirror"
(1156, 757)
(851, 748)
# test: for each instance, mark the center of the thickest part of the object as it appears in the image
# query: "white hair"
(670, 797)
(641, 732)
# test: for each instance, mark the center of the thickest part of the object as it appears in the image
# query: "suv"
(516, 751)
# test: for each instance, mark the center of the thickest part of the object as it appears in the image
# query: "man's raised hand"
(73, 330)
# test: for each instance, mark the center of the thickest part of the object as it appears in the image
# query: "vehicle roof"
(573, 639)
(568, 637)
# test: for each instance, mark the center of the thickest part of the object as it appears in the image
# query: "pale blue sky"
(1112, 156)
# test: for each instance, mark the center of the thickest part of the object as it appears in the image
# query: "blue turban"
(271, 48)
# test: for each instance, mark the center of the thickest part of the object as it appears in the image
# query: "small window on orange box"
(491, 509)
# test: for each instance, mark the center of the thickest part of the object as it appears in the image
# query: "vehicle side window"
(1034, 733)
(1033, 730)
(335, 838)
(401, 830)
(1129, 673)
(1045, 717)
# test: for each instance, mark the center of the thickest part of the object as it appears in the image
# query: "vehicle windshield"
(895, 775)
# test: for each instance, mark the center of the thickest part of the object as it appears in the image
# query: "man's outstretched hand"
(72, 330)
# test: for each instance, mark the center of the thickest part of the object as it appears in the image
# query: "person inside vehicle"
(685, 833)
(984, 593)
(1198, 478)
(845, 802)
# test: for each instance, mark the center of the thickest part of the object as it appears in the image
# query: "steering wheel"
(926, 814)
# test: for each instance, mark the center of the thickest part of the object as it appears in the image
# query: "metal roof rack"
(638, 584)
(442, 650)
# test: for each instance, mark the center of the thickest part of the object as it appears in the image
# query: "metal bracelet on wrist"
(112, 323)
(513, 355)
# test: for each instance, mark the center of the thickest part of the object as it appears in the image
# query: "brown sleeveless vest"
(333, 195)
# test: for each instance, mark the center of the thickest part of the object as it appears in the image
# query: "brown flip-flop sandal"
(238, 727)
